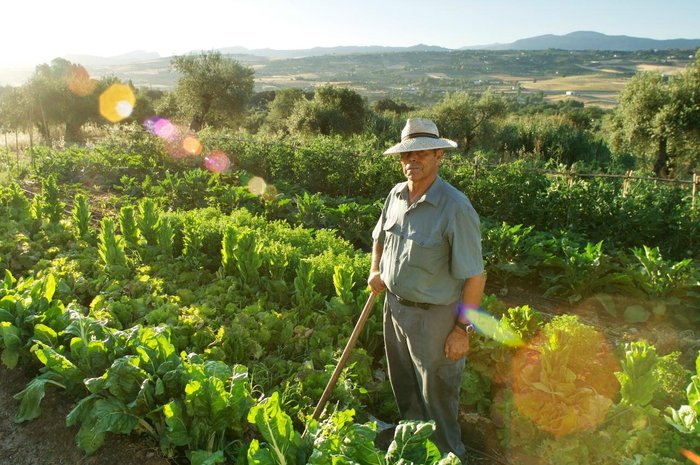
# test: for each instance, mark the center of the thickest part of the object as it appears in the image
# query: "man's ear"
(439, 153)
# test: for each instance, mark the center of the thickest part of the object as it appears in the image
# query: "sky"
(35, 32)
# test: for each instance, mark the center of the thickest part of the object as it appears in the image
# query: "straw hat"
(420, 134)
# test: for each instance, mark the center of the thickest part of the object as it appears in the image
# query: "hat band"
(420, 134)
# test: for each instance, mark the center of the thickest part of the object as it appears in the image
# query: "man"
(427, 255)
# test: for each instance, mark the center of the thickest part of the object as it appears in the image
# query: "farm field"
(422, 77)
(147, 288)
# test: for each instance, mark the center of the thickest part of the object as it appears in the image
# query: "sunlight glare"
(565, 383)
(192, 145)
(78, 81)
(217, 162)
(692, 456)
(117, 102)
(489, 326)
(257, 185)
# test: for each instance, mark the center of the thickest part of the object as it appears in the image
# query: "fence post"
(476, 167)
(626, 183)
(696, 181)
(572, 175)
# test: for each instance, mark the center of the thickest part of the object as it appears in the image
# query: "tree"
(281, 108)
(333, 110)
(212, 90)
(62, 93)
(387, 104)
(464, 118)
(659, 118)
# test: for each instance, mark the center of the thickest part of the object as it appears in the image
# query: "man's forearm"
(473, 291)
(377, 249)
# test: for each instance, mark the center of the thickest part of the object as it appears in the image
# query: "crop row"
(214, 333)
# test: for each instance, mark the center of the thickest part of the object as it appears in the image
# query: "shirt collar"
(432, 195)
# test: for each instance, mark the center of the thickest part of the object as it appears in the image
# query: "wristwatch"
(466, 327)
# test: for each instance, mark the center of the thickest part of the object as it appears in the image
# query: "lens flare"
(564, 379)
(161, 127)
(692, 456)
(257, 185)
(78, 81)
(489, 326)
(217, 162)
(117, 102)
(192, 145)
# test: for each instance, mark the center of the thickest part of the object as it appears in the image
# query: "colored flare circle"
(117, 102)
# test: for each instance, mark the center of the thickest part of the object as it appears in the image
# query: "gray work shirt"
(430, 247)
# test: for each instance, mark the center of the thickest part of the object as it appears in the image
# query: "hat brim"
(421, 143)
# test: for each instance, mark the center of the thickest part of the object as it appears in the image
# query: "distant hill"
(124, 59)
(588, 40)
(322, 51)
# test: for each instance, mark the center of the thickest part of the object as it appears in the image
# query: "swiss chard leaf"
(176, 425)
(282, 442)
(203, 457)
(411, 443)
(30, 397)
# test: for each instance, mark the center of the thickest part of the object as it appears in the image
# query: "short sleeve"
(465, 235)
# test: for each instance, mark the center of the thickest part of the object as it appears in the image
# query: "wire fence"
(626, 178)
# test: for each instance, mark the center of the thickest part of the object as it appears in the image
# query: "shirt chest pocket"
(429, 252)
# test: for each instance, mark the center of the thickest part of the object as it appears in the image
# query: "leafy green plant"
(51, 204)
(659, 277)
(578, 273)
(81, 216)
(166, 237)
(638, 381)
(128, 226)
(111, 249)
(686, 418)
(509, 251)
(148, 221)
(564, 380)
(28, 312)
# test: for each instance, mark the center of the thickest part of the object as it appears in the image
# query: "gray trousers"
(425, 382)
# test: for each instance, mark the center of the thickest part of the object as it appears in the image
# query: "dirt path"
(47, 441)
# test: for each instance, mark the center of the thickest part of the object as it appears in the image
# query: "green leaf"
(124, 378)
(258, 456)
(30, 399)
(608, 304)
(46, 335)
(88, 439)
(49, 287)
(113, 416)
(411, 442)
(9, 358)
(359, 446)
(277, 429)
(203, 457)
(57, 363)
(6, 316)
(176, 427)
(636, 314)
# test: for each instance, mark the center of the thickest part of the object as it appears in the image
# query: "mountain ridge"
(590, 40)
(577, 40)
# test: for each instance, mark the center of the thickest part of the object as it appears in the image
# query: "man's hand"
(457, 344)
(375, 283)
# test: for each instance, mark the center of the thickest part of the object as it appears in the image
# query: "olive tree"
(212, 90)
(658, 118)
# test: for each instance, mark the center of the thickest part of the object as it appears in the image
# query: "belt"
(410, 303)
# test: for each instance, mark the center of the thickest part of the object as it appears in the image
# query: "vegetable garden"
(206, 308)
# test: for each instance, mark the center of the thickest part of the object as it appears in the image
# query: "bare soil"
(48, 441)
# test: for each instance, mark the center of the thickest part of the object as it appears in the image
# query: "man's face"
(421, 165)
